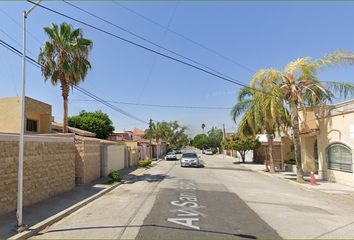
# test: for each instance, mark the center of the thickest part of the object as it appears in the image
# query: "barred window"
(339, 157)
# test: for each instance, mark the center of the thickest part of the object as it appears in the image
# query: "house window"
(32, 125)
(339, 157)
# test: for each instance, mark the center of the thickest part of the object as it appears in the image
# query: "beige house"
(327, 142)
(37, 116)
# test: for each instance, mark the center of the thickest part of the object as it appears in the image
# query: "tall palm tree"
(299, 86)
(203, 126)
(263, 112)
(64, 59)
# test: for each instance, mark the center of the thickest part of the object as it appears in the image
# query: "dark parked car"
(190, 159)
(177, 151)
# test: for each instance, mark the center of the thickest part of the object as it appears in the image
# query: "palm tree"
(203, 126)
(263, 112)
(160, 130)
(299, 86)
(64, 59)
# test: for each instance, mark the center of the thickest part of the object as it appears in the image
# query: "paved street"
(222, 199)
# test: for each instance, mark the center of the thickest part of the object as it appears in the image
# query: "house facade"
(327, 142)
(37, 116)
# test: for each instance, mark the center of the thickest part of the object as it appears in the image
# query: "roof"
(97, 139)
(311, 130)
(77, 131)
(137, 131)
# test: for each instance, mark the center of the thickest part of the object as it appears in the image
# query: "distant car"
(204, 149)
(177, 151)
(208, 152)
(171, 155)
(190, 159)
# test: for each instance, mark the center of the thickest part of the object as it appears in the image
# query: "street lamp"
(20, 227)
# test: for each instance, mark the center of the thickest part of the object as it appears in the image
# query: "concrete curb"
(33, 230)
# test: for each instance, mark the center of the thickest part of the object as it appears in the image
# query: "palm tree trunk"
(270, 151)
(65, 117)
(65, 88)
(296, 135)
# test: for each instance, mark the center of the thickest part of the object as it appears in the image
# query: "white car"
(208, 152)
(171, 155)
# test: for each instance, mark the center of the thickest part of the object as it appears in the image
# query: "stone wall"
(87, 160)
(48, 169)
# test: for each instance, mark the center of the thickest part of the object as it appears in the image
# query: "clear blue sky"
(247, 36)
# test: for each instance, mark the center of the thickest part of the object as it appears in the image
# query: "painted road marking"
(188, 203)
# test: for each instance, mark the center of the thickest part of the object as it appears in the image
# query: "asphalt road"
(221, 199)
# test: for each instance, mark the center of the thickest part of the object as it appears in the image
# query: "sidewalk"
(334, 190)
(42, 214)
(331, 189)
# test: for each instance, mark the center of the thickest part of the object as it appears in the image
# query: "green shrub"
(213, 150)
(291, 161)
(145, 163)
(115, 176)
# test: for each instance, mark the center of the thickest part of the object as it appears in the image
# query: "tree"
(214, 139)
(241, 144)
(159, 130)
(263, 111)
(203, 126)
(176, 137)
(199, 141)
(299, 85)
(64, 59)
(96, 122)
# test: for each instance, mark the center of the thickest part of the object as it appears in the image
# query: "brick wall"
(87, 160)
(48, 169)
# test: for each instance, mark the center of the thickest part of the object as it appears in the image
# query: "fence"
(48, 168)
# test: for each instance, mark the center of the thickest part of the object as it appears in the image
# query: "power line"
(16, 42)
(108, 104)
(228, 79)
(146, 48)
(184, 37)
(156, 105)
(160, 46)
(19, 25)
(32, 61)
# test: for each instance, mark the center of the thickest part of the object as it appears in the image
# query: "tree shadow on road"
(130, 179)
(244, 236)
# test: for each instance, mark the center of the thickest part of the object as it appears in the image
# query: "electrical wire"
(184, 37)
(32, 61)
(156, 105)
(160, 46)
(20, 25)
(146, 48)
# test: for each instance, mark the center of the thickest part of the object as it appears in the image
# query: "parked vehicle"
(204, 149)
(177, 151)
(208, 152)
(190, 159)
(171, 155)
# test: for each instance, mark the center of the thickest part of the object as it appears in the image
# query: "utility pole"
(20, 226)
(223, 138)
(150, 138)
